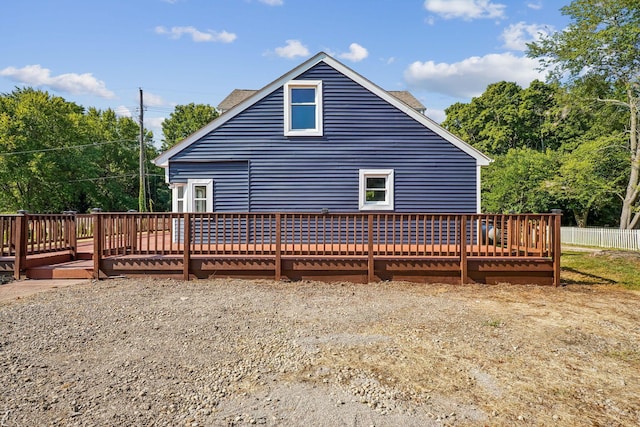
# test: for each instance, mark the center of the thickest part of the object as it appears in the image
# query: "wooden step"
(80, 269)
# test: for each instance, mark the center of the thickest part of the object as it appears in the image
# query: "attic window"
(303, 108)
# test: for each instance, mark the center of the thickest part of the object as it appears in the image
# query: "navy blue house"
(322, 137)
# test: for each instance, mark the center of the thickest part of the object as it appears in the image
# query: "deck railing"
(26, 235)
(365, 236)
(306, 234)
(349, 235)
(50, 233)
(84, 226)
(8, 235)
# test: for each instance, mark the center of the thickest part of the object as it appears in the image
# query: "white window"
(195, 196)
(199, 198)
(178, 191)
(201, 195)
(376, 189)
(303, 108)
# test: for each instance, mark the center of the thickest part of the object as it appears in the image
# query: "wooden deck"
(339, 247)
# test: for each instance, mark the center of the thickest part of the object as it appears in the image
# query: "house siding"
(361, 131)
(230, 181)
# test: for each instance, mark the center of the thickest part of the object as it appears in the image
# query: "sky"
(101, 53)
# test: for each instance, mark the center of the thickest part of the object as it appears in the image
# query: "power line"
(104, 178)
(43, 150)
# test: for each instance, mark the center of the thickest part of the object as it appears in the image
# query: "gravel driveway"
(233, 352)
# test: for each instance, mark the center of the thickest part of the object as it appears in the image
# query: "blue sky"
(99, 53)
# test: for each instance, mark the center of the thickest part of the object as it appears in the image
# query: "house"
(323, 138)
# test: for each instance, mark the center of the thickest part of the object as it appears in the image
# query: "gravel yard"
(234, 352)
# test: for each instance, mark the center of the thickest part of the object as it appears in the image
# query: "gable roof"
(235, 98)
(408, 98)
(163, 159)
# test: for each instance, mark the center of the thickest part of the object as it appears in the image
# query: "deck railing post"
(370, 259)
(132, 231)
(70, 229)
(186, 244)
(463, 249)
(21, 235)
(98, 236)
(278, 272)
(557, 249)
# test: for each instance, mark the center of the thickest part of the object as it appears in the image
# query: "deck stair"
(78, 269)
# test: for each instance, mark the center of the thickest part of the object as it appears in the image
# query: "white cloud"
(437, 116)
(470, 77)
(197, 35)
(77, 84)
(292, 49)
(153, 100)
(155, 124)
(465, 9)
(123, 111)
(272, 2)
(356, 53)
(535, 5)
(516, 36)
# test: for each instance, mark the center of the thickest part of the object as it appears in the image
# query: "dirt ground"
(236, 352)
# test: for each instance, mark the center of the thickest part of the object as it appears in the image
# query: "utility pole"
(142, 194)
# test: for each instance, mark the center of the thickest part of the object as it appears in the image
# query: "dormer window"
(303, 108)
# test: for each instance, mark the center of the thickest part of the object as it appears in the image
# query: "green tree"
(185, 120)
(591, 178)
(506, 116)
(518, 182)
(603, 42)
(113, 161)
(115, 164)
(54, 156)
(39, 155)
(489, 122)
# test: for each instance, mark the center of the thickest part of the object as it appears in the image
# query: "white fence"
(601, 237)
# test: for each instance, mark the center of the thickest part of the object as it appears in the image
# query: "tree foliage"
(506, 116)
(185, 120)
(559, 124)
(591, 177)
(55, 156)
(602, 44)
(38, 133)
(518, 182)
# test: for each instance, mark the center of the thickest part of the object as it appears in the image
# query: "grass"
(601, 268)
(494, 323)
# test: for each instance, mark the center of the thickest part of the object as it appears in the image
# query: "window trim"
(296, 84)
(388, 203)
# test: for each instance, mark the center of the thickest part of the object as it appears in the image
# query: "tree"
(115, 163)
(506, 116)
(603, 42)
(489, 122)
(518, 182)
(185, 120)
(55, 156)
(591, 177)
(41, 157)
